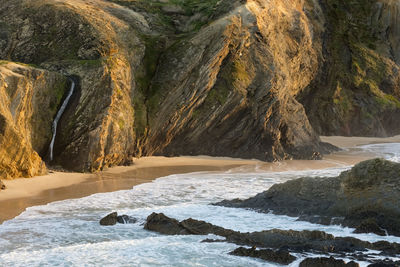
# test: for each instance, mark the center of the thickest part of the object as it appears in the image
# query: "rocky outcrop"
(326, 262)
(148, 86)
(113, 218)
(246, 79)
(385, 263)
(279, 240)
(110, 219)
(29, 98)
(235, 81)
(101, 51)
(365, 197)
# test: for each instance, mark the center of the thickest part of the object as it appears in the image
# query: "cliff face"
(29, 99)
(358, 89)
(101, 51)
(223, 78)
(228, 90)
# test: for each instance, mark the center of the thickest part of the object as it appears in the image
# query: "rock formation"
(366, 197)
(249, 79)
(358, 87)
(281, 241)
(281, 257)
(326, 262)
(113, 218)
(29, 98)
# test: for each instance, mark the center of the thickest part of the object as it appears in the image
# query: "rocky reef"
(250, 79)
(279, 244)
(366, 197)
(326, 262)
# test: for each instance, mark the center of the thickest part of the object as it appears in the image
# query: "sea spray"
(58, 117)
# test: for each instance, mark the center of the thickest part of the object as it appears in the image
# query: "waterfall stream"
(58, 116)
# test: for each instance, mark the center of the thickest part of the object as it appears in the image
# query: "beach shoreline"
(26, 192)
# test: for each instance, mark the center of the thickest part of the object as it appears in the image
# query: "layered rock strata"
(249, 79)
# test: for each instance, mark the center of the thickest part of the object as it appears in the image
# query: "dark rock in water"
(289, 240)
(370, 226)
(125, 219)
(366, 197)
(113, 219)
(160, 223)
(2, 186)
(385, 263)
(280, 256)
(110, 219)
(326, 262)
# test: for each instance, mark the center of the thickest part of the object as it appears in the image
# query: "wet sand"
(26, 192)
(23, 193)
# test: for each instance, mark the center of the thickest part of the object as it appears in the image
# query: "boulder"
(365, 197)
(114, 218)
(110, 219)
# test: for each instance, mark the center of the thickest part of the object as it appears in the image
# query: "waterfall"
(58, 116)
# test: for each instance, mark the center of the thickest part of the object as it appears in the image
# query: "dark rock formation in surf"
(113, 218)
(278, 240)
(366, 197)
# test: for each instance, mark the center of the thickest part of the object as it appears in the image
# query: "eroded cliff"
(223, 78)
(357, 90)
(29, 98)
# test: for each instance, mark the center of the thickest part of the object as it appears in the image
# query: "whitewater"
(67, 233)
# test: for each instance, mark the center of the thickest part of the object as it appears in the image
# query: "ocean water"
(67, 233)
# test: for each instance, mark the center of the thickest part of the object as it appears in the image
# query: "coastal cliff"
(28, 102)
(250, 79)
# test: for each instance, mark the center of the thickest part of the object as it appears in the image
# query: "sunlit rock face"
(251, 79)
(28, 101)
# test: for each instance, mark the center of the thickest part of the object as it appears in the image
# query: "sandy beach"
(23, 193)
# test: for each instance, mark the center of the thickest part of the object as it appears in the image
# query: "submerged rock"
(366, 197)
(113, 219)
(287, 240)
(326, 262)
(279, 256)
